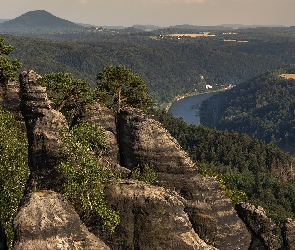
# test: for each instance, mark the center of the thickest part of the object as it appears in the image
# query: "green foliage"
(8, 69)
(84, 175)
(181, 61)
(263, 107)
(231, 191)
(69, 94)
(14, 169)
(145, 174)
(262, 171)
(118, 87)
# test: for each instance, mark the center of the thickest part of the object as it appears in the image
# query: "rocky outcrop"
(151, 218)
(184, 211)
(106, 118)
(10, 100)
(288, 233)
(43, 124)
(145, 141)
(47, 221)
(261, 226)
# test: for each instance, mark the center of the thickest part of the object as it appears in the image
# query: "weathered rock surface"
(105, 118)
(43, 124)
(9, 97)
(259, 223)
(151, 218)
(145, 141)
(47, 221)
(288, 233)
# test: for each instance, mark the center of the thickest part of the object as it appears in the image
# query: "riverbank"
(188, 108)
(178, 98)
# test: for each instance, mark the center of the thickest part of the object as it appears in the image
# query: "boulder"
(288, 233)
(46, 221)
(151, 218)
(261, 225)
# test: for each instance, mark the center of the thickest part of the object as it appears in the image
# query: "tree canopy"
(70, 95)
(118, 88)
(8, 69)
(14, 169)
(84, 176)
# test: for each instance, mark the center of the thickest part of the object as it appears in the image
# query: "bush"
(84, 175)
(145, 174)
(14, 170)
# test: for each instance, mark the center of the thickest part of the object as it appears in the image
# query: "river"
(188, 107)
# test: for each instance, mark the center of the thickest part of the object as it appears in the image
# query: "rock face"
(145, 141)
(43, 124)
(105, 118)
(288, 233)
(47, 221)
(184, 211)
(260, 224)
(10, 100)
(151, 218)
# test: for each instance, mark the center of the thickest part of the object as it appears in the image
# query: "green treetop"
(8, 69)
(70, 95)
(118, 88)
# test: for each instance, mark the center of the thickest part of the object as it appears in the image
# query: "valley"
(239, 160)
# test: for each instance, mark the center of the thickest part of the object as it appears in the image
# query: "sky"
(159, 12)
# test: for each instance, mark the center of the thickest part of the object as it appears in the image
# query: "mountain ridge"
(38, 19)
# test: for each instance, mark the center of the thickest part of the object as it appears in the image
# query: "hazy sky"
(159, 12)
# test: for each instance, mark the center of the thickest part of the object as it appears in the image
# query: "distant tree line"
(263, 107)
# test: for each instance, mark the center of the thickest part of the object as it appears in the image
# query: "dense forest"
(251, 170)
(169, 66)
(263, 107)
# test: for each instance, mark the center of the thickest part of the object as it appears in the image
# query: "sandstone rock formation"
(43, 124)
(106, 118)
(183, 211)
(145, 141)
(47, 221)
(288, 233)
(259, 223)
(151, 218)
(9, 97)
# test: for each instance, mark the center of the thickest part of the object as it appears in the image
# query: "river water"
(188, 107)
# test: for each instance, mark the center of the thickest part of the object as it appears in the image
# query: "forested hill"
(169, 67)
(263, 107)
(38, 21)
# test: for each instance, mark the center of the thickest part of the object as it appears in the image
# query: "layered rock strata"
(42, 124)
(151, 218)
(145, 141)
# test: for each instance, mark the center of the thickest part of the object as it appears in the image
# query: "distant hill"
(263, 107)
(38, 21)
